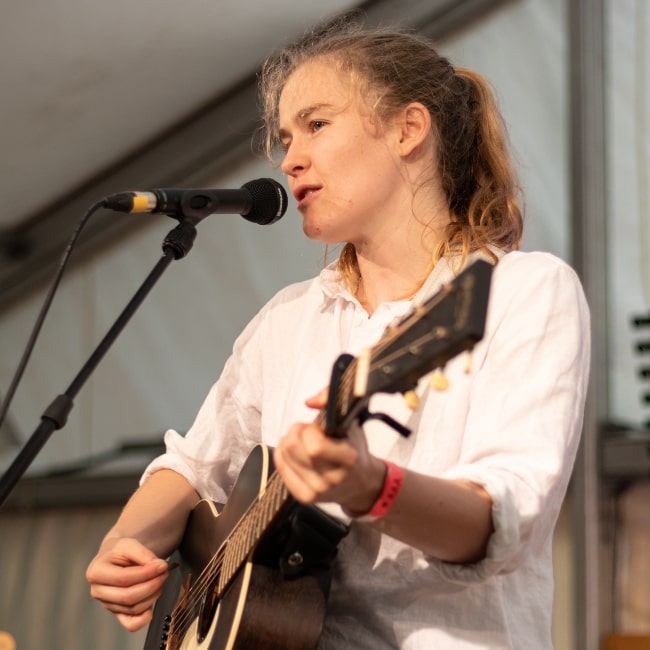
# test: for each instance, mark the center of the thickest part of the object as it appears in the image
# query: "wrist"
(108, 543)
(374, 478)
(392, 481)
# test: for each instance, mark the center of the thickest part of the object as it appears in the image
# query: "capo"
(365, 415)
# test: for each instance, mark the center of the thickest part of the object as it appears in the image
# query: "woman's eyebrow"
(300, 117)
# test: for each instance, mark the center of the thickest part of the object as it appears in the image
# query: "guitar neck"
(250, 529)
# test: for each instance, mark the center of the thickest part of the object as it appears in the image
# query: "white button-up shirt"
(511, 424)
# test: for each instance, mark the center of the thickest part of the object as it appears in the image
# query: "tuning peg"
(411, 399)
(438, 380)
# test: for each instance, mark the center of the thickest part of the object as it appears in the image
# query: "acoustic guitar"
(255, 573)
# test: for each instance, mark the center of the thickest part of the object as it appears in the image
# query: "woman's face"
(343, 168)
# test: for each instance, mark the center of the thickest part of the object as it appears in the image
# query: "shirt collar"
(444, 271)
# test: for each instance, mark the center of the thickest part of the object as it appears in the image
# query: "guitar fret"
(215, 568)
(265, 514)
(347, 386)
(239, 552)
(281, 495)
(250, 529)
(227, 571)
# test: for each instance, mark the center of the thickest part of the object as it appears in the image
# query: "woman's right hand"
(127, 578)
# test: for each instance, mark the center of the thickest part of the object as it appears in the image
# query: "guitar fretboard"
(249, 531)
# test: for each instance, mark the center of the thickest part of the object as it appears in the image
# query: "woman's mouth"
(305, 194)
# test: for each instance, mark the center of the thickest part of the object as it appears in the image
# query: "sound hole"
(207, 612)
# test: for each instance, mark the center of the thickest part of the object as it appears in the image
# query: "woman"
(394, 152)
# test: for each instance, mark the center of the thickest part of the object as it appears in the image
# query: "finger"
(128, 551)
(306, 448)
(133, 623)
(319, 400)
(106, 572)
(294, 476)
(327, 452)
(309, 483)
(130, 600)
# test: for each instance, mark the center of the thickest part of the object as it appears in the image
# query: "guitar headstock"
(450, 322)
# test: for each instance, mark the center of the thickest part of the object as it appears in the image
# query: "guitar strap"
(311, 542)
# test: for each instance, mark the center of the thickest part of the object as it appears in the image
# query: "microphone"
(262, 201)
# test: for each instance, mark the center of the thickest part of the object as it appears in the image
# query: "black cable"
(45, 309)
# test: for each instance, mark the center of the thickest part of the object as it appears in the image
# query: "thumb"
(129, 551)
(319, 400)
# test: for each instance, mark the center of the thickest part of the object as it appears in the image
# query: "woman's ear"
(415, 127)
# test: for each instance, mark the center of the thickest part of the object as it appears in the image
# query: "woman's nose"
(295, 159)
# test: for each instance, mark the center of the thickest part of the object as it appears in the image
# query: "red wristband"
(392, 485)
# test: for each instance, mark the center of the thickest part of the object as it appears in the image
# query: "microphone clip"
(179, 241)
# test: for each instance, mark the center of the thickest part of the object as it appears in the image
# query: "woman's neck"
(395, 258)
(399, 280)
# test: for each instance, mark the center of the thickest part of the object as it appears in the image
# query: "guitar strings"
(427, 337)
(270, 502)
(199, 588)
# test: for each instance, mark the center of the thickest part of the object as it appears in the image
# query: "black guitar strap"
(311, 542)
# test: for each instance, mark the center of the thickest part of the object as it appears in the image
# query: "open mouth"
(304, 193)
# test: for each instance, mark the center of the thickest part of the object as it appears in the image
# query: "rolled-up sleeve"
(526, 407)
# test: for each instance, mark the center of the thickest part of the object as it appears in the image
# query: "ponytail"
(477, 173)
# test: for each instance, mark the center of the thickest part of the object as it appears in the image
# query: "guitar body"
(261, 608)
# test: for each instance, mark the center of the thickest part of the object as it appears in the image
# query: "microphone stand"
(177, 244)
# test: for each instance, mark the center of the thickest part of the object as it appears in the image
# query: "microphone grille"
(269, 201)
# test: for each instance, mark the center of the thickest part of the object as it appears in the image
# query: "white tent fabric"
(43, 596)
(158, 371)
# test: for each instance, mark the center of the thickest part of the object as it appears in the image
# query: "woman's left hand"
(317, 468)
